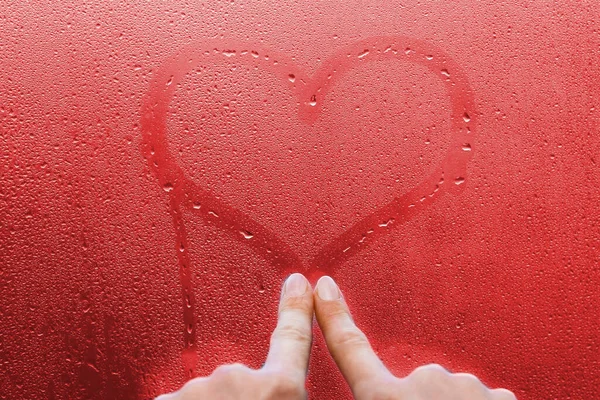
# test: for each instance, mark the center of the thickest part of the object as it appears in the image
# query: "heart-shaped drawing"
(449, 176)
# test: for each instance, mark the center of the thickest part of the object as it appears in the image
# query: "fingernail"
(327, 289)
(295, 285)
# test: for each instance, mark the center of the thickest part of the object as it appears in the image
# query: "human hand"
(366, 375)
(284, 372)
(283, 375)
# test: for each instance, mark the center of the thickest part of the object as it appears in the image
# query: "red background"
(114, 282)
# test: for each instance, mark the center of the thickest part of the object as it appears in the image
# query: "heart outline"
(185, 194)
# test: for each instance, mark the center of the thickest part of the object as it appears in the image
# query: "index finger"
(347, 344)
(292, 338)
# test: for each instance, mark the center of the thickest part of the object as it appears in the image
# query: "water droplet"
(459, 181)
(247, 235)
(407, 50)
(313, 100)
(386, 223)
(86, 306)
(466, 147)
(196, 206)
(445, 72)
(213, 214)
(466, 117)
(170, 81)
(168, 187)
(189, 328)
(429, 57)
(292, 78)
(229, 53)
(364, 53)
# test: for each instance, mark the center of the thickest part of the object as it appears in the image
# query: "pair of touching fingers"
(283, 375)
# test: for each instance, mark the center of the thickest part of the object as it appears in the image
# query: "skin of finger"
(430, 381)
(434, 382)
(468, 383)
(227, 381)
(503, 394)
(232, 382)
(348, 345)
(291, 340)
(194, 388)
(281, 386)
(383, 388)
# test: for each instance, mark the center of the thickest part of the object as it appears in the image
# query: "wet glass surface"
(164, 167)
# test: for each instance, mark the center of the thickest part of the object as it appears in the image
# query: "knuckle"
(384, 394)
(295, 304)
(335, 311)
(169, 396)
(230, 370)
(351, 337)
(468, 380)
(192, 386)
(502, 394)
(379, 390)
(288, 387)
(436, 367)
(434, 370)
(291, 331)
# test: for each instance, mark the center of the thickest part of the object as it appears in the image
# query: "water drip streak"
(187, 293)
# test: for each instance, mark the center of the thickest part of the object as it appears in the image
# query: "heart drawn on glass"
(184, 194)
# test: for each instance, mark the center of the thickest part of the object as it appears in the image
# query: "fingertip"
(327, 290)
(292, 338)
(297, 294)
(330, 306)
(348, 345)
(295, 285)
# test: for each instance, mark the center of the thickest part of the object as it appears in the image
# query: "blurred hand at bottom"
(284, 373)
